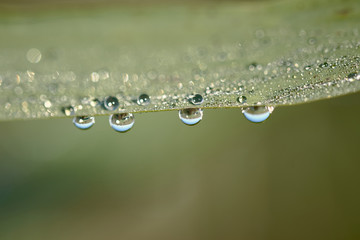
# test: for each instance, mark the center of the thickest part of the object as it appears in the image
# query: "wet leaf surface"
(56, 63)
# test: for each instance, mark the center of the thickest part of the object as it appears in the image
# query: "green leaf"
(272, 53)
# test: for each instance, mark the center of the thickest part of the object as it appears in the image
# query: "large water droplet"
(191, 116)
(143, 99)
(257, 114)
(122, 122)
(111, 103)
(84, 122)
(197, 99)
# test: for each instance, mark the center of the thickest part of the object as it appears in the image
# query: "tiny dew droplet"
(122, 122)
(111, 103)
(143, 99)
(354, 76)
(324, 65)
(84, 122)
(33, 55)
(68, 111)
(197, 99)
(242, 99)
(190, 116)
(307, 68)
(257, 114)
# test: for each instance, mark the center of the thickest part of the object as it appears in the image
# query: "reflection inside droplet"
(122, 122)
(257, 114)
(84, 122)
(190, 116)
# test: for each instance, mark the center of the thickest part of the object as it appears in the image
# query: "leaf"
(269, 53)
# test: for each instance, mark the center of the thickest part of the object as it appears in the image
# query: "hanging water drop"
(111, 103)
(143, 99)
(197, 99)
(190, 116)
(84, 122)
(122, 122)
(257, 114)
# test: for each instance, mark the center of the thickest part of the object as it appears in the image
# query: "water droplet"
(197, 99)
(111, 103)
(324, 65)
(312, 41)
(143, 99)
(242, 99)
(122, 122)
(354, 76)
(252, 66)
(33, 55)
(257, 114)
(307, 68)
(94, 76)
(84, 122)
(47, 104)
(68, 111)
(190, 116)
(104, 74)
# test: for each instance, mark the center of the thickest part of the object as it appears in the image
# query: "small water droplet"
(307, 68)
(257, 114)
(47, 104)
(68, 111)
(354, 76)
(111, 103)
(197, 99)
(252, 66)
(242, 99)
(312, 41)
(190, 116)
(122, 122)
(94, 76)
(324, 65)
(33, 55)
(143, 99)
(84, 122)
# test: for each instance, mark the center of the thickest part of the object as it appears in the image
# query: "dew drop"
(94, 77)
(84, 122)
(122, 122)
(111, 103)
(307, 68)
(252, 67)
(257, 114)
(68, 111)
(197, 99)
(354, 76)
(47, 104)
(143, 99)
(190, 116)
(324, 65)
(242, 99)
(312, 41)
(33, 55)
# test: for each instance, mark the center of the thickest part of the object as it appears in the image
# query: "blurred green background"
(295, 176)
